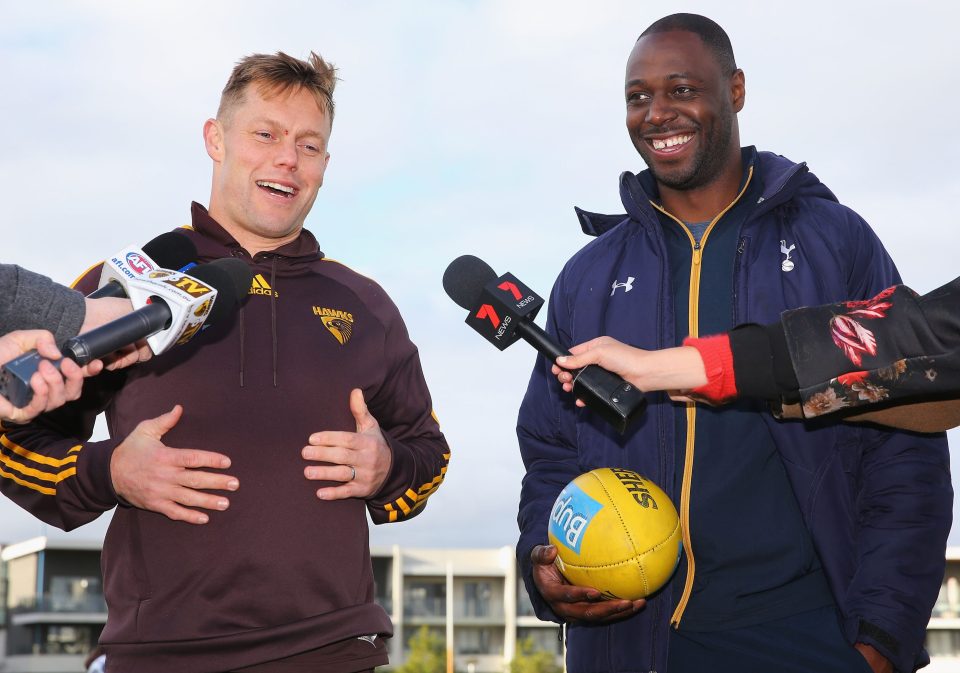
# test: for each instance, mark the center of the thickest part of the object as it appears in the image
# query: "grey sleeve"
(32, 301)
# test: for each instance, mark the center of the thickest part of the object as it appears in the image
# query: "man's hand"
(149, 475)
(360, 459)
(51, 388)
(572, 603)
(878, 662)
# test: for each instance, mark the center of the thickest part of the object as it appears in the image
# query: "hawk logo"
(261, 286)
(338, 323)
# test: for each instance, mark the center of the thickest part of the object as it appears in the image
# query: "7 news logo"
(488, 312)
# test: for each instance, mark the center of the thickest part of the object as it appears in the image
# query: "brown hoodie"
(280, 572)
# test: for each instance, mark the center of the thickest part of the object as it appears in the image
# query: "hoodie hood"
(303, 249)
(782, 179)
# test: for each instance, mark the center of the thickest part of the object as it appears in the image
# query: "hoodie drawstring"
(242, 332)
(273, 313)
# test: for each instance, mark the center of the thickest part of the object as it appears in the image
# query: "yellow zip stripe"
(36, 457)
(693, 319)
(14, 478)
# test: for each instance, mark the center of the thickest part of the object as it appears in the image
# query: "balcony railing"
(87, 602)
(425, 607)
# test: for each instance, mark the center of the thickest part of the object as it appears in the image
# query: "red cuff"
(717, 357)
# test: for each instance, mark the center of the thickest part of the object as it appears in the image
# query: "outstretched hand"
(360, 460)
(675, 370)
(152, 476)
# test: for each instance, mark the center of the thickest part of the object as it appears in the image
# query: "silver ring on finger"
(353, 473)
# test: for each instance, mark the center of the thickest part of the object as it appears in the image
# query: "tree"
(427, 653)
(531, 660)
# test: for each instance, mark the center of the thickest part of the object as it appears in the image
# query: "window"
(476, 597)
(425, 598)
(75, 594)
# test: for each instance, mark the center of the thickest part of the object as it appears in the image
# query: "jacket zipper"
(693, 304)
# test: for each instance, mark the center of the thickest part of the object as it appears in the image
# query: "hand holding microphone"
(174, 306)
(502, 310)
(50, 386)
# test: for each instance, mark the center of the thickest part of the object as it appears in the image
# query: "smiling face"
(269, 158)
(681, 110)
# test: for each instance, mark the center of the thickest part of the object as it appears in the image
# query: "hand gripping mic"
(502, 310)
(171, 250)
(174, 306)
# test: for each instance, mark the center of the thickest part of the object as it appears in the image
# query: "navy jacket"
(878, 503)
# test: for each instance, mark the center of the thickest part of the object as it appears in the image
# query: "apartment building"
(53, 608)
(54, 611)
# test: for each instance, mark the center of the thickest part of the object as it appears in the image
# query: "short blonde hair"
(278, 74)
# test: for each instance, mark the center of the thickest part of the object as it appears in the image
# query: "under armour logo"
(626, 286)
(787, 264)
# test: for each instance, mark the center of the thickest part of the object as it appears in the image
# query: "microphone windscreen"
(464, 279)
(171, 250)
(231, 277)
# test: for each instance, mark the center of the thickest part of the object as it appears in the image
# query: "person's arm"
(49, 467)
(904, 497)
(33, 301)
(892, 348)
(801, 362)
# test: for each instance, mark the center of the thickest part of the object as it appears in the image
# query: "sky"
(469, 126)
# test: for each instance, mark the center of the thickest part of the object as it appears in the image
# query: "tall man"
(804, 548)
(315, 384)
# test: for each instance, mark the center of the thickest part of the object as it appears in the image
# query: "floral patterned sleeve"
(896, 346)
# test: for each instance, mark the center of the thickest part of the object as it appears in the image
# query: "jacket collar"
(781, 179)
(304, 247)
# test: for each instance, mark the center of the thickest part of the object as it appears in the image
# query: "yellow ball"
(617, 532)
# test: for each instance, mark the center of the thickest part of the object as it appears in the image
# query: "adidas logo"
(261, 286)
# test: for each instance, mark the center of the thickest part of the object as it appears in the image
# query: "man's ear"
(738, 89)
(213, 139)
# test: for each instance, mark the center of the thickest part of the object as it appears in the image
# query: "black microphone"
(229, 277)
(502, 310)
(171, 250)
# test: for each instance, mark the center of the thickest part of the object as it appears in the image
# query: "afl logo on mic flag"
(138, 263)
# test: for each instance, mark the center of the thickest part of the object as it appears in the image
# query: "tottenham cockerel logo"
(338, 323)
